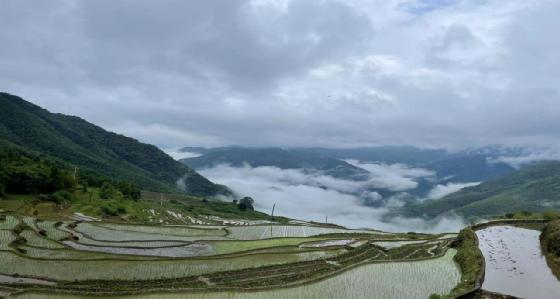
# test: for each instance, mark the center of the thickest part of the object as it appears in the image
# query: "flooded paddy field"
(515, 264)
(416, 280)
(40, 258)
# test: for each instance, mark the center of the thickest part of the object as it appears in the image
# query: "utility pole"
(272, 214)
(326, 219)
(75, 172)
(161, 199)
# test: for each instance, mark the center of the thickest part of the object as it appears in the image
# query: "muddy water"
(515, 264)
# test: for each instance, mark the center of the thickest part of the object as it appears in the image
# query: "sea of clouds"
(305, 195)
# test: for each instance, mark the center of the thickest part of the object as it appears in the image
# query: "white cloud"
(538, 155)
(395, 177)
(295, 198)
(177, 154)
(440, 191)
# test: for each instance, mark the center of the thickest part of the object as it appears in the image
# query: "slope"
(90, 147)
(534, 188)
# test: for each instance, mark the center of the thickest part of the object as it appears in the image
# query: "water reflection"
(515, 264)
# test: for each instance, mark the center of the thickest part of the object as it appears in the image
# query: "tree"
(129, 190)
(246, 203)
(107, 191)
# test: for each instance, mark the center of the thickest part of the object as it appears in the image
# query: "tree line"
(22, 172)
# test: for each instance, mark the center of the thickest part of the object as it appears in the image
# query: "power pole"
(75, 172)
(161, 199)
(273, 206)
(326, 219)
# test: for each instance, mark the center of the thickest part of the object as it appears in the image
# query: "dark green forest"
(95, 150)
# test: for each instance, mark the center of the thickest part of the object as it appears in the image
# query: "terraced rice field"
(515, 264)
(94, 258)
(286, 231)
(9, 223)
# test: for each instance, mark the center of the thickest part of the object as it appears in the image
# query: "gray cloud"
(292, 72)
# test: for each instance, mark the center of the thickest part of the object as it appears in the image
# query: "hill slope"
(281, 158)
(533, 188)
(90, 147)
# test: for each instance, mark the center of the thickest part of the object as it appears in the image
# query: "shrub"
(107, 191)
(246, 203)
(551, 237)
(61, 196)
(113, 208)
(129, 190)
(551, 215)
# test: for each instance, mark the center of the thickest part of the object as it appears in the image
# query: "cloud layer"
(311, 197)
(263, 72)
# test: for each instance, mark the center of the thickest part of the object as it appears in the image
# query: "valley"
(100, 214)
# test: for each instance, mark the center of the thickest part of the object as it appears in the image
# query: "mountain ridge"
(89, 146)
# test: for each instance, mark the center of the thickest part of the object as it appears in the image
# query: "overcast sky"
(292, 73)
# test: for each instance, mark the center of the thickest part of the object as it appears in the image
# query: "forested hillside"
(533, 188)
(93, 149)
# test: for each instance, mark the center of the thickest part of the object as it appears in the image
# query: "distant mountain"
(277, 157)
(468, 168)
(385, 154)
(534, 188)
(78, 142)
(471, 165)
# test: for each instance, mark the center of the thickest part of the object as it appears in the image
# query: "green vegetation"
(470, 261)
(175, 209)
(246, 203)
(534, 188)
(546, 215)
(88, 147)
(550, 242)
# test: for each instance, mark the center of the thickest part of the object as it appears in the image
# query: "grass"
(470, 261)
(149, 209)
(550, 244)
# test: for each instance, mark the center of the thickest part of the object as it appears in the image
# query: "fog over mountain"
(319, 198)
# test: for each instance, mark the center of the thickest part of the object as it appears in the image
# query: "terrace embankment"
(550, 244)
(471, 260)
(259, 258)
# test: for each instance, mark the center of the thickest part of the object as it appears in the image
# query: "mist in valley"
(315, 197)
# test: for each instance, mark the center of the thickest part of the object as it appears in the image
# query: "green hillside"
(91, 148)
(533, 188)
